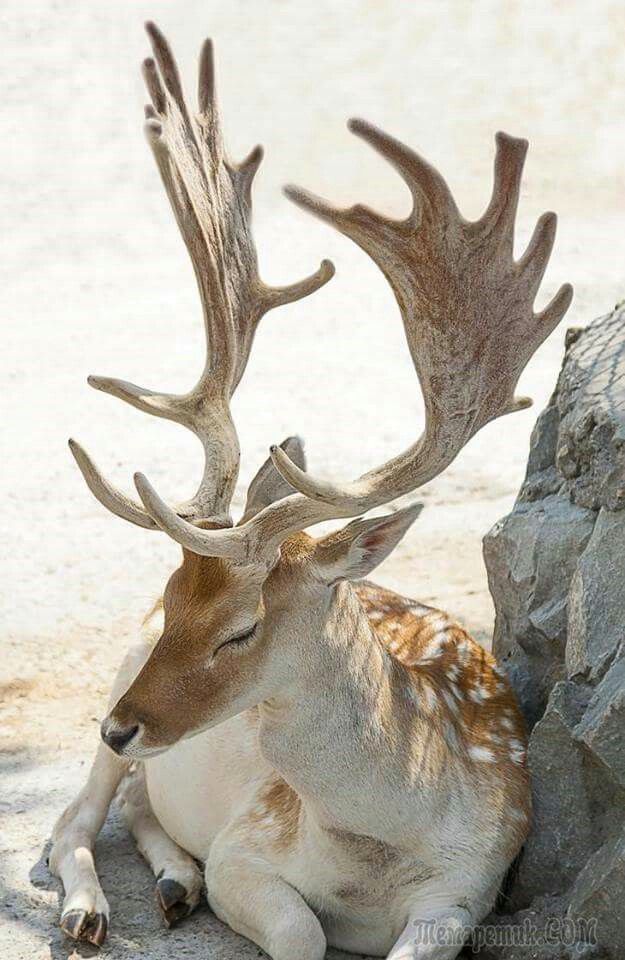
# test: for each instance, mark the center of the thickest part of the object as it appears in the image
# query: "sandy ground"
(95, 279)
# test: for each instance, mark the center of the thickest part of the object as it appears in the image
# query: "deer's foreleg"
(85, 912)
(178, 878)
(245, 893)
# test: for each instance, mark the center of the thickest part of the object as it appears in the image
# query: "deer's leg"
(257, 903)
(433, 934)
(178, 878)
(85, 911)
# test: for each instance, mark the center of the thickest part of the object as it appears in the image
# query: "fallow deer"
(348, 763)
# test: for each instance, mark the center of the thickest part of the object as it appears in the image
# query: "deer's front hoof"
(175, 901)
(82, 925)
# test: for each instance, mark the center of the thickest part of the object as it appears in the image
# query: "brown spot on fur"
(279, 805)
(369, 851)
(354, 893)
(381, 867)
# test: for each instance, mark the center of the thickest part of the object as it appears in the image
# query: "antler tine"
(534, 261)
(211, 201)
(431, 195)
(502, 208)
(467, 309)
(206, 78)
(425, 182)
(549, 318)
(154, 86)
(416, 466)
(115, 501)
(245, 171)
(166, 64)
(190, 201)
(166, 405)
(317, 206)
(279, 296)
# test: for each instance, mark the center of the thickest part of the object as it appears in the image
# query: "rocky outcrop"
(556, 569)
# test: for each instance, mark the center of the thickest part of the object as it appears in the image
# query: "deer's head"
(235, 632)
(209, 663)
(467, 308)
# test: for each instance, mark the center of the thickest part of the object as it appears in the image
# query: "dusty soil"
(95, 279)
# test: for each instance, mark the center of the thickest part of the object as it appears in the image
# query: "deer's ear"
(268, 485)
(354, 551)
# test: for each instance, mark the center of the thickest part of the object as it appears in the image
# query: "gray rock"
(590, 397)
(562, 837)
(596, 626)
(531, 557)
(556, 568)
(602, 727)
(542, 477)
(542, 932)
(578, 444)
(599, 895)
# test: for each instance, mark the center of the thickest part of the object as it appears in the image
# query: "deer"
(347, 764)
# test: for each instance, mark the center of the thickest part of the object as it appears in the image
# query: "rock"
(542, 477)
(590, 397)
(531, 557)
(556, 570)
(588, 951)
(602, 727)
(596, 626)
(599, 896)
(542, 932)
(562, 837)
(578, 443)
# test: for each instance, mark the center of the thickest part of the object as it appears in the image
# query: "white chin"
(135, 751)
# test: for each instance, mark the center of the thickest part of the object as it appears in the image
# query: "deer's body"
(347, 762)
(388, 713)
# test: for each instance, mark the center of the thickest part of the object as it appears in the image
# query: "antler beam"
(211, 200)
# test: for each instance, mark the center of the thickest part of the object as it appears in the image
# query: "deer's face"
(208, 664)
(234, 636)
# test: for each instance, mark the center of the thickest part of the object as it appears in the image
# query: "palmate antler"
(211, 200)
(467, 308)
(466, 304)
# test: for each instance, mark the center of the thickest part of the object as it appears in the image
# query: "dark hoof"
(171, 897)
(80, 925)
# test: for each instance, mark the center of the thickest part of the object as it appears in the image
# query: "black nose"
(115, 737)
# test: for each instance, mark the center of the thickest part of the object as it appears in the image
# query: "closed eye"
(239, 640)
